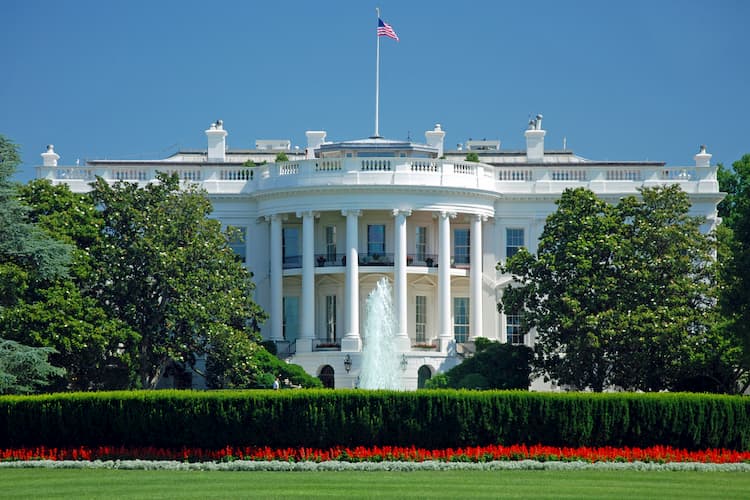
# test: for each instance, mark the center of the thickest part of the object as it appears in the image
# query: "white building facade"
(322, 228)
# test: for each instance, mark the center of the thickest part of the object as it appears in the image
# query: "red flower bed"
(382, 453)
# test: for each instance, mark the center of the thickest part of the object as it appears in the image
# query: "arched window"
(423, 375)
(326, 376)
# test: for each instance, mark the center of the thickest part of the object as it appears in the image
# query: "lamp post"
(348, 363)
(404, 362)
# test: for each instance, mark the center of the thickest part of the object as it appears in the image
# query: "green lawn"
(70, 483)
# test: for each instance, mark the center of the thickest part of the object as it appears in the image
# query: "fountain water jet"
(380, 361)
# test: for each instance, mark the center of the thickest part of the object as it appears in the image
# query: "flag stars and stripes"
(385, 29)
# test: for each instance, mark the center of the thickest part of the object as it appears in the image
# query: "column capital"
(308, 213)
(351, 211)
(479, 217)
(447, 215)
(406, 212)
(273, 217)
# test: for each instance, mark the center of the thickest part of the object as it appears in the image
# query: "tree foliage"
(472, 157)
(166, 270)
(96, 350)
(493, 366)
(24, 369)
(620, 295)
(30, 259)
(28, 256)
(734, 260)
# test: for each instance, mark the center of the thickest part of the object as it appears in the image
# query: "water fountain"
(380, 361)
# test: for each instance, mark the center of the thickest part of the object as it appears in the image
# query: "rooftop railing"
(521, 178)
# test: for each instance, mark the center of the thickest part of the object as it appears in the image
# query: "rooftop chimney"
(217, 141)
(535, 140)
(49, 158)
(435, 138)
(314, 140)
(702, 159)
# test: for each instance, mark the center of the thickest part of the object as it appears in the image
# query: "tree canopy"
(619, 294)
(734, 259)
(166, 270)
(495, 365)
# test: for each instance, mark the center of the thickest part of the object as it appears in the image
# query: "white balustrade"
(405, 171)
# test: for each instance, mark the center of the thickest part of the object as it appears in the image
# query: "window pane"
(330, 318)
(331, 243)
(461, 238)
(461, 319)
(513, 329)
(514, 240)
(421, 243)
(420, 312)
(237, 243)
(290, 247)
(376, 239)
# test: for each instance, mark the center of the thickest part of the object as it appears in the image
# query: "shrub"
(325, 418)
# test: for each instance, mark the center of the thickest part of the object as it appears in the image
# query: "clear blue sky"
(627, 80)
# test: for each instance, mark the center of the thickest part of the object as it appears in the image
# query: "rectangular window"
(291, 318)
(420, 312)
(461, 245)
(237, 243)
(331, 243)
(421, 247)
(461, 319)
(514, 240)
(290, 247)
(513, 333)
(331, 318)
(376, 240)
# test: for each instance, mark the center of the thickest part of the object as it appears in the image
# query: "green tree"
(30, 260)
(28, 256)
(494, 366)
(620, 295)
(472, 156)
(24, 369)
(166, 270)
(281, 156)
(95, 349)
(734, 263)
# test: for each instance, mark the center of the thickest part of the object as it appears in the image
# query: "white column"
(352, 341)
(307, 323)
(399, 278)
(475, 277)
(277, 270)
(445, 335)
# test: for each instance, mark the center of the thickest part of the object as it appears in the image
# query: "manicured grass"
(76, 483)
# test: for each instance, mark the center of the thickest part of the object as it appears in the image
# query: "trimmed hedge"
(325, 418)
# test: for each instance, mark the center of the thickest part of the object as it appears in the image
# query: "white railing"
(333, 165)
(376, 165)
(395, 171)
(514, 174)
(424, 166)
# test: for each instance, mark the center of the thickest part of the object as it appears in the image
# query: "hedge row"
(325, 418)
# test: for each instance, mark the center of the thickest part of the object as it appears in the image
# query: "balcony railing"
(518, 178)
(376, 259)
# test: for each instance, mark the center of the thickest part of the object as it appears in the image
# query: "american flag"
(385, 29)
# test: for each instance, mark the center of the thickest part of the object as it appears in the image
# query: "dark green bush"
(322, 418)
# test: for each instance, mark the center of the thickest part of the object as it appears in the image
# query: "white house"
(322, 228)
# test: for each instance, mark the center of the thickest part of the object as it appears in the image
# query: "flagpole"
(377, 75)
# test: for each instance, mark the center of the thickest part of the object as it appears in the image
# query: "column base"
(403, 344)
(447, 345)
(351, 343)
(304, 345)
